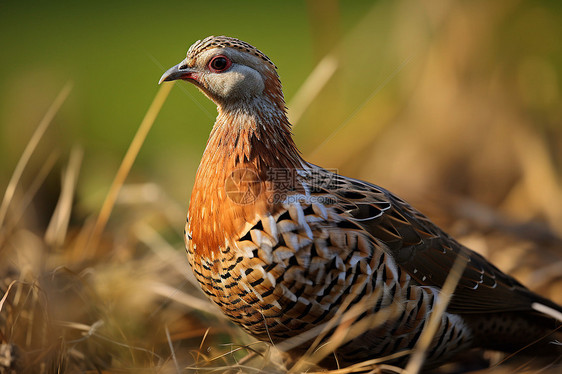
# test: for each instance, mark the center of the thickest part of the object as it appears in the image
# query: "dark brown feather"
(427, 253)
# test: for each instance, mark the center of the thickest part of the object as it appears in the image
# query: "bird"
(285, 247)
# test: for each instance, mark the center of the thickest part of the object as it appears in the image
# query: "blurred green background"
(114, 53)
(423, 97)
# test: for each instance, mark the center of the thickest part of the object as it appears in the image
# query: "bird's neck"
(249, 144)
(254, 132)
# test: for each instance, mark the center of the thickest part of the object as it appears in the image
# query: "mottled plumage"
(282, 246)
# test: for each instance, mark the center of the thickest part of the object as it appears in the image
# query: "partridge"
(283, 246)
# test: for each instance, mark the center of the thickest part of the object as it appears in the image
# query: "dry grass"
(111, 292)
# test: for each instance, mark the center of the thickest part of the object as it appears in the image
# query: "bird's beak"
(180, 71)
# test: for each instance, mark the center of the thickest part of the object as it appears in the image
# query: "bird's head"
(228, 71)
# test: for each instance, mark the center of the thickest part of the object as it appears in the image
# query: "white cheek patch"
(238, 82)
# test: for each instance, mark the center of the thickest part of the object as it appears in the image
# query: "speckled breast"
(303, 267)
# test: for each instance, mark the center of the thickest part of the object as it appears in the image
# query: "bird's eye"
(219, 64)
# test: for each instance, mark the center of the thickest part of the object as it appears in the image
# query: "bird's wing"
(422, 249)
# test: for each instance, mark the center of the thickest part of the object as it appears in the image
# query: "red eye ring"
(219, 63)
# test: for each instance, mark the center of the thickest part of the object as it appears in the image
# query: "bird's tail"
(549, 310)
(530, 333)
